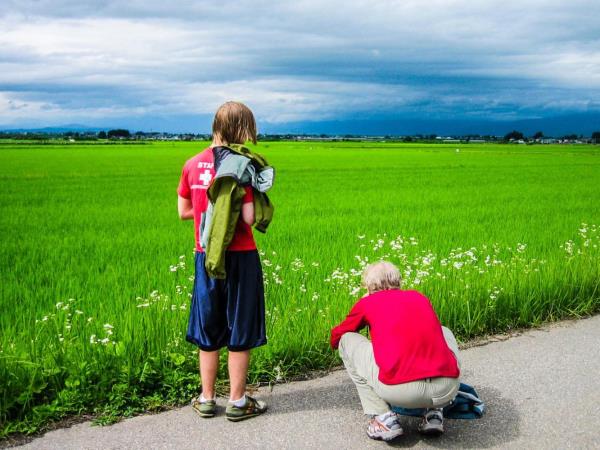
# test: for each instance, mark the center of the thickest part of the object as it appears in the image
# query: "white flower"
(107, 326)
(354, 291)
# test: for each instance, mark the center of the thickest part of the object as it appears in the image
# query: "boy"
(230, 312)
(411, 360)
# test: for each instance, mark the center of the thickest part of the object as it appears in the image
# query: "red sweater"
(407, 337)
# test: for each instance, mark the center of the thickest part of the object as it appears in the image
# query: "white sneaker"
(384, 428)
(432, 423)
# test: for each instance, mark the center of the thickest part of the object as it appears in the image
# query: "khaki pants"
(376, 397)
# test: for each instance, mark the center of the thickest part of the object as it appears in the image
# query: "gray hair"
(381, 276)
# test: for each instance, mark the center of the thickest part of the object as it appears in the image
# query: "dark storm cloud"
(293, 61)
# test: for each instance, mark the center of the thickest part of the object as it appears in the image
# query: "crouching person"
(411, 361)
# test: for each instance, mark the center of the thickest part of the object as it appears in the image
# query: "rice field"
(97, 268)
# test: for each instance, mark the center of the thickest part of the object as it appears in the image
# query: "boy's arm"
(248, 207)
(185, 208)
(354, 321)
(184, 196)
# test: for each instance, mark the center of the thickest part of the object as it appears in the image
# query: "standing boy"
(229, 312)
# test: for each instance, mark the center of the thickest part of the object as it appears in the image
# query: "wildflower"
(278, 376)
(297, 264)
(354, 291)
(78, 312)
(104, 341)
(93, 339)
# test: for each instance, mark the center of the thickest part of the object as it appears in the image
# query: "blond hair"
(234, 124)
(381, 276)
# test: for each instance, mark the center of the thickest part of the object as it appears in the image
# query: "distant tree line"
(120, 133)
(519, 136)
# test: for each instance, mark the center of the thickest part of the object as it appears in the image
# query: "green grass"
(481, 231)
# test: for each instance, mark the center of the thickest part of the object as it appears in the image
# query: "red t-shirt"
(196, 177)
(407, 337)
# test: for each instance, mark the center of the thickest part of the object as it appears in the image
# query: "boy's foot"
(204, 409)
(384, 428)
(251, 408)
(432, 423)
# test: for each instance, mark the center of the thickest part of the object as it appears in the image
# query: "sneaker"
(204, 409)
(384, 430)
(432, 423)
(252, 408)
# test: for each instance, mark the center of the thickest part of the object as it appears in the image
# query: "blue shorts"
(231, 312)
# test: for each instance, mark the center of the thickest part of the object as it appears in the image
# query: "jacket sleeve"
(354, 321)
(227, 195)
(263, 211)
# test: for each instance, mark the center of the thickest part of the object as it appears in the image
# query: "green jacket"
(236, 168)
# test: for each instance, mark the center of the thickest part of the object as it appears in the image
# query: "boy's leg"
(238, 371)
(209, 366)
(452, 344)
(357, 353)
(246, 325)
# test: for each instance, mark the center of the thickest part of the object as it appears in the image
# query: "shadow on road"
(497, 427)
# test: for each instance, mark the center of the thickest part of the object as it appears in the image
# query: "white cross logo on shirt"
(205, 177)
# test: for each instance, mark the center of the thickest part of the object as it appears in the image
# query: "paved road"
(542, 390)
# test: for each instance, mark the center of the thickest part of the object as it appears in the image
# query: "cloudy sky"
(150, 65)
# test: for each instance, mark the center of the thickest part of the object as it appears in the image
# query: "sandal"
(204, 409)
(252, 408)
